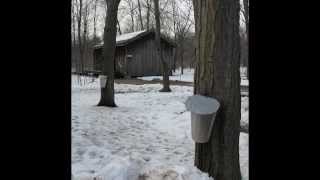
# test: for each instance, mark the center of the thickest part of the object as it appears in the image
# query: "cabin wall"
(144, 61)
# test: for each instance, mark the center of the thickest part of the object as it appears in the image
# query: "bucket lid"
(202, 105)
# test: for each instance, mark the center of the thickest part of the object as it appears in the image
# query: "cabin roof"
(125, 39)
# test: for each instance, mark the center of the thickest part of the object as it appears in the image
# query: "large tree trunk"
(175, 57)
(181, 61)
(110, 32)
(246, 15)
(217, 75)
(95, 21)
(181, 53)
(79, 18)
(165, 68)
(73, 24)
(73, 11)
(85, 38)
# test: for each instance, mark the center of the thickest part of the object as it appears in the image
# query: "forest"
(185, 115)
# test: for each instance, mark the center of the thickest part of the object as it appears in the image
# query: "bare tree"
(165, 68)
(79, 22)
(74, 61)
(109, 47)
(183, 25)
(182, 22)
(175, 34)
(73, 15)
(95, 20)
(246, 16)
(148, 13)
(217, 75)
(140, 15)
(132, 9)
(85, 35)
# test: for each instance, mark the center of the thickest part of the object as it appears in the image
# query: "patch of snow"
(187, 76)
(147, 135)
(244, 82)
(244, 155)
(162, 172)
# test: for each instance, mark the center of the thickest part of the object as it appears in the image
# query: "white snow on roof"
(125, 37)
(128, 36)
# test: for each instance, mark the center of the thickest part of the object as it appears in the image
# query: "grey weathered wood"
(144, 62)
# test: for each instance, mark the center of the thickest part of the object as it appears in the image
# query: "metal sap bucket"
(103, 81)
(203, 112)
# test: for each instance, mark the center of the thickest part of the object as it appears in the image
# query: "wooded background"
(176, 20)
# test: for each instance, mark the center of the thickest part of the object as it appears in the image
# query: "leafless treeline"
(176, 18)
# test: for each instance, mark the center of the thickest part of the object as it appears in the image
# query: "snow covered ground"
(147, 136)
(187, 76)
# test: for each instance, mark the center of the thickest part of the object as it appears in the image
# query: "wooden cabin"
(136, 54)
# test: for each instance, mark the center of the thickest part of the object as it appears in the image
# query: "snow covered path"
(147, 135)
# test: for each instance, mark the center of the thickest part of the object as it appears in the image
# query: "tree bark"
(246, 16)
(109, 47)
(74, 44)
(217, 75)
(95, 21)
(73, 25)
(165, 68)
(175, 57)
(181, 53)
(79, 18)
(85, 37)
